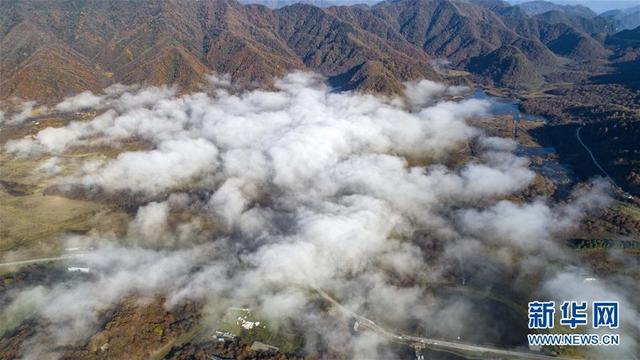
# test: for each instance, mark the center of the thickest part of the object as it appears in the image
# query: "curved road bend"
(463, 349)
(593, 157)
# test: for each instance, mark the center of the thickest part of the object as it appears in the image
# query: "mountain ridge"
(52, 50)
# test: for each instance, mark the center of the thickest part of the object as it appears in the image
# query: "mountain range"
(49, 50)
(628, 18)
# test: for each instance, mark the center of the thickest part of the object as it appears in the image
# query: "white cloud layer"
(302, 188)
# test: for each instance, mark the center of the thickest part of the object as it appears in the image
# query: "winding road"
(40, 260)
(593, 157)
(470, 351)
(466, 350)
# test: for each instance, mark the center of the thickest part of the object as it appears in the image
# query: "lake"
(504, 106)
(548, 165)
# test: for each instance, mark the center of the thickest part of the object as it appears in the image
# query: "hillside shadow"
(625, 73)
(343, 82)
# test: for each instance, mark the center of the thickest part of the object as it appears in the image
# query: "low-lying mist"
(253, 198)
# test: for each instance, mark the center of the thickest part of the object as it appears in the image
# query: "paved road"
(465, 349)
(593, 157)
(40, 260)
